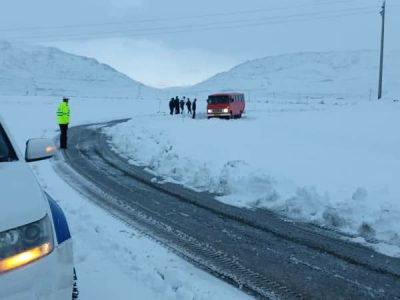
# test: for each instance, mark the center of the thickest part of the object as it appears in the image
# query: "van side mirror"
(39, 149)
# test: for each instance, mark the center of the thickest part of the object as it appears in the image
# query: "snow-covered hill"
(35, 70)
(43, 71)
(307, 75)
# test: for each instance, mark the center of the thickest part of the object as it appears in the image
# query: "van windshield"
(6, 152)
(218, 100)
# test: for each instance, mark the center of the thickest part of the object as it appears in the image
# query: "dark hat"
(65, 99)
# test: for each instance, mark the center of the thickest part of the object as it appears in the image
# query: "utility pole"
(382, 46)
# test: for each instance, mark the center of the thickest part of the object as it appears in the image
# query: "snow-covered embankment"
(329, 164)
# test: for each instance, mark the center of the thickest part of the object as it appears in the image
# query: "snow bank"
(329, 164)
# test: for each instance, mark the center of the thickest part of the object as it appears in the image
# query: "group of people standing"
(178, 106)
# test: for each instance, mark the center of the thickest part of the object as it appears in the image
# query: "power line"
(80, 26)
(207, 26)
(177, 30)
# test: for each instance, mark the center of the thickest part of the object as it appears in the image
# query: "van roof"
(226, 94)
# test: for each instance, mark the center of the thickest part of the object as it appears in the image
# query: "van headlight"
(25, 244)
(210, 111)
(225, 110)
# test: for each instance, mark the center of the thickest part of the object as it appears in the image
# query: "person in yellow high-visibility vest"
(63, 122)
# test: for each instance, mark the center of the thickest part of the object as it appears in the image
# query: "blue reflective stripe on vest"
(60, 222)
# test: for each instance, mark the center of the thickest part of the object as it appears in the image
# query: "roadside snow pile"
(337, 166)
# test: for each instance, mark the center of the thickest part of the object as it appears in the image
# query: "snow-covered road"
(341, 161)
(255, 250)
(333, 163)
(113, 261)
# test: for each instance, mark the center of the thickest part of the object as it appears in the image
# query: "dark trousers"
(63, 136)
(194, 114)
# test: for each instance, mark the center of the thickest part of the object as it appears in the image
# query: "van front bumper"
(216, 115)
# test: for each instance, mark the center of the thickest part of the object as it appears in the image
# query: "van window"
(218, 100)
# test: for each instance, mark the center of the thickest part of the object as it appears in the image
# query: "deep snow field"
(113, 261)
(333, 163)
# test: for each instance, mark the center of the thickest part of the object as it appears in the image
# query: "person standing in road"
(176, 102)
(194, 108)
(63, 122)
(171, 106)
(182, 105)
(189, 105)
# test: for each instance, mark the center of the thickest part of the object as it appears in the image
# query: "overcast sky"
(176, 42)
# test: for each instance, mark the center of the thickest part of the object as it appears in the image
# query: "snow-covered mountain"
(35, 70)
(352, 74)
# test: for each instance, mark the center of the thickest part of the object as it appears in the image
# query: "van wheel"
(240, 115)
(75, 291)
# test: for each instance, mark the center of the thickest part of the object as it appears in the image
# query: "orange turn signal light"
(25, 257)
(50, 149)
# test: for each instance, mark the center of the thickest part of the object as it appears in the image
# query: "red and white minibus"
(227, 105)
